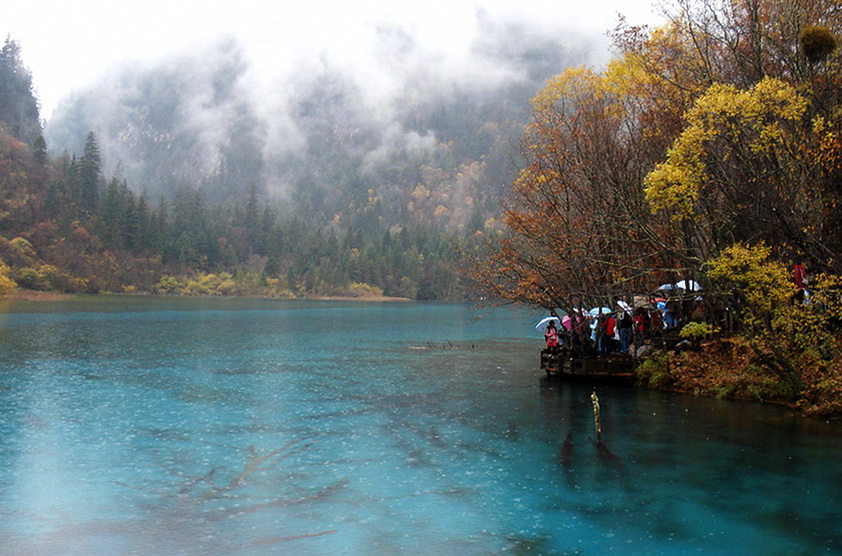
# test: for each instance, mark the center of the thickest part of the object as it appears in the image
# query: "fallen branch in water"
(274, 540)
(254, 463)
(279, 502)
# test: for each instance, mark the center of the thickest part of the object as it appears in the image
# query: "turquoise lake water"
(134, 426)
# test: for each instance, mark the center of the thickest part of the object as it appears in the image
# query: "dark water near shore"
(254, 427)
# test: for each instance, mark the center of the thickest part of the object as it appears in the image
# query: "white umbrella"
(689, 285)
(665, 287)
(596, 311)
(625, 306)
(542, 324)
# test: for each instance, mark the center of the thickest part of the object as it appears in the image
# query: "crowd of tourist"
(603, 331)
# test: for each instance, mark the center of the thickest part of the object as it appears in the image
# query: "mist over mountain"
(405, 133)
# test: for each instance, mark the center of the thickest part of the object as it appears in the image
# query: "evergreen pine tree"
(89, 175)
(18, 105)
(39, 150)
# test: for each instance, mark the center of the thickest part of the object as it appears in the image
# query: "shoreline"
(32, 295)
(369, 298)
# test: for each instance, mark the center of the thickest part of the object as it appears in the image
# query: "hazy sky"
(67, 44)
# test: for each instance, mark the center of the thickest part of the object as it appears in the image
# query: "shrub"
(356, 289)
(29, 278)
(56, 280)
(654, 370)
(19, 252)
(168, 285)
(697, 331)
(6, 282)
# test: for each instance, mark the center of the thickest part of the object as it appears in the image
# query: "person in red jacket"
(799, 275)
(551, 335)
(641, 327)
(802, 281)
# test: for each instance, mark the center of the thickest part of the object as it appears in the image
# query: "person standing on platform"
(551, 336)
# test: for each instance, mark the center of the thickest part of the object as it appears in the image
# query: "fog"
(371, 101)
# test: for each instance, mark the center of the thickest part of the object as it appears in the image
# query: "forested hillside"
(177, 178)
(65, 229)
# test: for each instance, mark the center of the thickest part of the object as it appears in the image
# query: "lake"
(134, 426)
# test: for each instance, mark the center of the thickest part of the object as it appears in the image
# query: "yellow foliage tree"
(796, 337)
(715, 59)
(728, 122)
(6, 282)
(744, 169)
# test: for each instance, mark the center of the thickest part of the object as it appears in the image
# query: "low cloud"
(227, 115)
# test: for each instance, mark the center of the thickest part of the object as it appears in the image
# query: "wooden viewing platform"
(617, 367)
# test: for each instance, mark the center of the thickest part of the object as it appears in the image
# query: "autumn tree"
(754, 88)
(6, 282)
(579, 232)
(17, 204)
(742, 171)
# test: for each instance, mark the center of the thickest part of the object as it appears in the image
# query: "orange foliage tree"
(579, 231)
